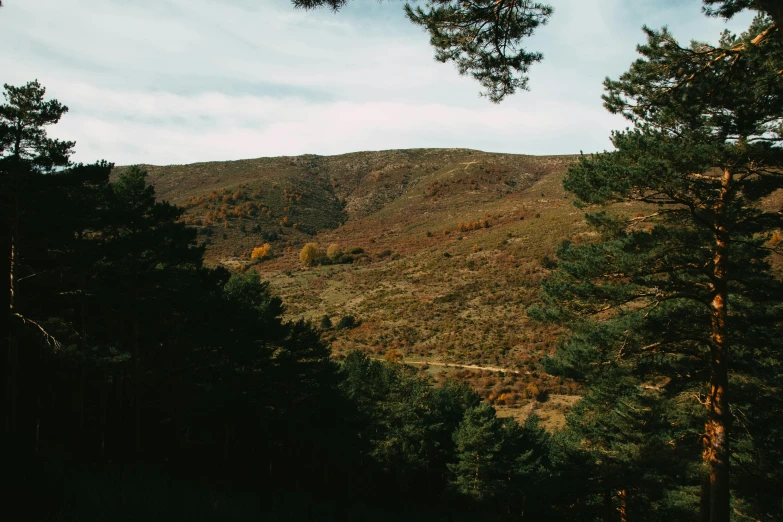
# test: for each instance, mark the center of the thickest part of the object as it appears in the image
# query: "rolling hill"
(443, 251)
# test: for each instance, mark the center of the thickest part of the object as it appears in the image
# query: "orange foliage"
(309, 254)
(473, 225)
(262, 252)
(393, 356)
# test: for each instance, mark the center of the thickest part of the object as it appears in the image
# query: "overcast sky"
(180, 81)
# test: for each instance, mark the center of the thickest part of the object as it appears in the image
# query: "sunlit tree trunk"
(716, 451)
(623, 507)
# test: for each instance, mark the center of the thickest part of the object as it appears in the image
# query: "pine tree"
(26, 153)
(684, 287)
(483, 38)
(407, 424)
(147, 254)
(728, 8)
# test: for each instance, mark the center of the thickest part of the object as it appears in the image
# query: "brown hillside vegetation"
(442, 250)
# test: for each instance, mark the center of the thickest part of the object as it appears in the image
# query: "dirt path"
(457, 365)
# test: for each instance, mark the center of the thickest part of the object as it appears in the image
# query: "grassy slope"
(423, 288)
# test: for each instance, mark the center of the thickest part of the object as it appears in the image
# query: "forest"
(140, 383)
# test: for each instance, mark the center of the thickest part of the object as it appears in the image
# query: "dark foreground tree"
(684, 288)
(26, 154)
(501, 463)
(728, 8)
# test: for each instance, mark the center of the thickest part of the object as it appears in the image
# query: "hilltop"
(445, 250)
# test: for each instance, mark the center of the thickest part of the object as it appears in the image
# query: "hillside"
(449, 247)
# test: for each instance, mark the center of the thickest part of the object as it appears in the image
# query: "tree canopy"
(485, 38)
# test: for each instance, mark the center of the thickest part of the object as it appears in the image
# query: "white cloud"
(167, 128)
(193, 80)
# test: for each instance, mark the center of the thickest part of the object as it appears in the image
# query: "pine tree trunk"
(12, 348)
(623, 508)
(136, 386)
(608, 508)
(82, 391)
(774, 9)
(716, 452)
(13, 233)
(705, 497)
(105, 389)
(82, 344)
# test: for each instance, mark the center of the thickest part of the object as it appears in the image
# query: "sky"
(183, 81)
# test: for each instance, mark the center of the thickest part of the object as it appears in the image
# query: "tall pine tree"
(684, 287)
(26, 153)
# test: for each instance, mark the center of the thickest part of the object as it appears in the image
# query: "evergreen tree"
(407, 424)
(501, 464)
(482, 467)
(728, 8)
(627, 451)
(26, 153)
(483, 38)
(684, 289)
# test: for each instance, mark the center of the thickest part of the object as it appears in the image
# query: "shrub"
(532, 391)
(393, 356)
(346, 322)
(333, 252)
(269, 236)
(326, 322)
(310, 254)
(262, 252)
(473, 225)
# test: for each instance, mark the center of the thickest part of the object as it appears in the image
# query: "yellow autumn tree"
(393, 356)
(262, 252)
(309, 254)
(333, 252)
